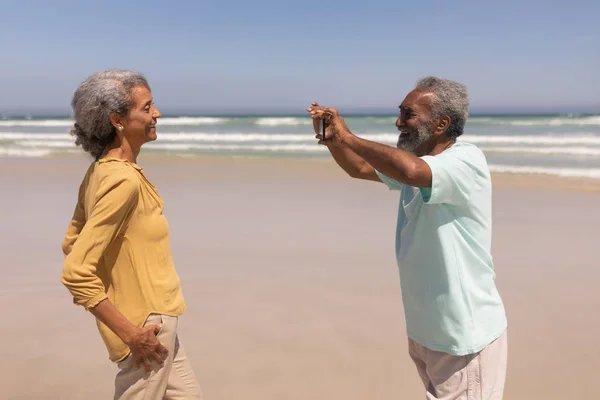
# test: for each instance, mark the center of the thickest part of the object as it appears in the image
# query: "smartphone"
(319, 127)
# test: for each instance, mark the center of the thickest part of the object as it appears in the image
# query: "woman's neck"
(121, 150)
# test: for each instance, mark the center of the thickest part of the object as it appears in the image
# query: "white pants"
(174, 379)
(478, 376)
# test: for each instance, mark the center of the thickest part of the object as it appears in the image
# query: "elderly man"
(455, 318)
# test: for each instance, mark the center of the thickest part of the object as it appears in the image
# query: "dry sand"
(291, 285)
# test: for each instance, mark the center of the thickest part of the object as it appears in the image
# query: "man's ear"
(443, 125)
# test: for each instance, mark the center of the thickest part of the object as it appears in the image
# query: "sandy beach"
(291, 285)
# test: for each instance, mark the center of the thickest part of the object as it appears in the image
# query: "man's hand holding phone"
(330, 128)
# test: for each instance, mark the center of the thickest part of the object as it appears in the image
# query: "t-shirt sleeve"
(456, 174)
(389, 182)
(116, 200)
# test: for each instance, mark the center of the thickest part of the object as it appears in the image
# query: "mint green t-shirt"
(443, 249)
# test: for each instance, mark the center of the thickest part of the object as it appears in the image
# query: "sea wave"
(234, 137)
(18, 152)
(257, 137)
(174, 146)
(269, 121)
(565, 139)
(202, 137)
(174, 121)
(168, 121)
(573, 151)
(36, 123)
(43, 148)
(46, 143)
(179, 121)
(283, 121)
(582, 121)
(303, 148)
(592, 173)
(590, 120)
(33, 136)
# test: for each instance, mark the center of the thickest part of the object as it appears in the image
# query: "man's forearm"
(347, 160)
(395, 163)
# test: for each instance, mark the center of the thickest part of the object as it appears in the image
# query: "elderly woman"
(117, 254)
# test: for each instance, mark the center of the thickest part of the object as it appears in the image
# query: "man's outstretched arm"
(390, 161)
(360, 158)
(353, 164)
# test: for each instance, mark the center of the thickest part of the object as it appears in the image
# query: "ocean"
(563, 145)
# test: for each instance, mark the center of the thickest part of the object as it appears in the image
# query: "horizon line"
(282, 113)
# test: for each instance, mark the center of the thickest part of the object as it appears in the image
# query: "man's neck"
(442, 147)
(437, 148)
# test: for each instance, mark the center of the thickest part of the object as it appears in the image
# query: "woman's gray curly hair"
(95, 99)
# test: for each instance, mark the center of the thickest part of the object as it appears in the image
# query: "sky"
(210, 57)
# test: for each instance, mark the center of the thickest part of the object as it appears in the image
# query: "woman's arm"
(85, 245)
(142, 342)
(116, 200)
(76, 224)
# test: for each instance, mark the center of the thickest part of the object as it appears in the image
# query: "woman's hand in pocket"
(145, 347)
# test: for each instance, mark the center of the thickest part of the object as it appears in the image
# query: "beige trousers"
(174, 380)
(478, 376)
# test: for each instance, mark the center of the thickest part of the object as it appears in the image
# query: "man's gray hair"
(95, 99)
(449, 99)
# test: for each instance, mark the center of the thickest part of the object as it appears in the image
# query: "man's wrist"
(346, 139)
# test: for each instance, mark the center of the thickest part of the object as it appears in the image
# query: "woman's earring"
(120, 127)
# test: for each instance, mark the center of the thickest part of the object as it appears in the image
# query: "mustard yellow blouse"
(117, 247)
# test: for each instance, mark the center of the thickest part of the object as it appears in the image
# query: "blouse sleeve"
(85, 244)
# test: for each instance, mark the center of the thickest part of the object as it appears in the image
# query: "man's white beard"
(415, 137)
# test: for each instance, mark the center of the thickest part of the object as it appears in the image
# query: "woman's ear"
(116, 121)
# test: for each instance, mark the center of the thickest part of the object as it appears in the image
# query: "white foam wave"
(592, 173)
(391, 138)
(575, 151)
(534, 139)
(258, 137)
(34, 136)
(593, 120)
(46, 143)
(283, 121)
(540, 121)
(169, 121)
(314, 148)
(582, 139)
(581, 121)
(203, 137)
(479, 120)
(177, 121)
(233, 137)
(37, 123)
(16, 152)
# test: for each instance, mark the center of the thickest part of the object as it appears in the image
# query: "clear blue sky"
(277, 56)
